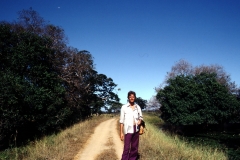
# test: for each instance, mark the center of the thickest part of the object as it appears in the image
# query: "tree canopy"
(45, 84)
(31, 92)
(197, 99)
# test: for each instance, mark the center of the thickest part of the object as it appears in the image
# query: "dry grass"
(156, 145)
(62, 146)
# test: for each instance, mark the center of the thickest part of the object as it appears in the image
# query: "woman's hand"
(121, 136)
(139, 122)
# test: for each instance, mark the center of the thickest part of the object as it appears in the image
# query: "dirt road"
(97, 142)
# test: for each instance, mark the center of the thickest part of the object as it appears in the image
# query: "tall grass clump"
(60, 146)
(158, 145)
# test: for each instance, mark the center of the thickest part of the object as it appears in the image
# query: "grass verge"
(62, 146)
(157, 145)
(154, 145)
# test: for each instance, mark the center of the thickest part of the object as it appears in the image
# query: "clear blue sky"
(136, 42)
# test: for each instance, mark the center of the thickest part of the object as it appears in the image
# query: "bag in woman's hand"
(142, 127)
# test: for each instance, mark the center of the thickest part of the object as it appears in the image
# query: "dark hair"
(131, 92)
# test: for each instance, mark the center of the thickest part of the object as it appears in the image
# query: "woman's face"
(131, 98)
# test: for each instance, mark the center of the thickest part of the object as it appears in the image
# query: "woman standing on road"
(130, 118)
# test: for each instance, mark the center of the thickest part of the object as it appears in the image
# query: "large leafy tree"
(102, 88)
(87, 91)
(199, 99)
(31, 92)
(44, 83)
(76, 75)
(75, 68)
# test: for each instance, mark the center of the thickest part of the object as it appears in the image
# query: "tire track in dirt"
(97, 142)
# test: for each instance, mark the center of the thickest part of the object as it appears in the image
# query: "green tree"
(116, 107)
(141, 102)
(200, 99)
(102, 89)
(44, 83)
(31, 92)
(75, 68)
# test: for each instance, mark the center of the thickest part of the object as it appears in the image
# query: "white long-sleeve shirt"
(129, 116)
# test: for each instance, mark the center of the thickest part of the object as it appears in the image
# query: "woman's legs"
(134, 146)
(130, 150)
(127, 144)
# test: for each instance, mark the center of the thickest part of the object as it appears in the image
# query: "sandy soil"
(97, 142)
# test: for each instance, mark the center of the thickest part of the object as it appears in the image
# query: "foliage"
(84, 86)
(87, 91)
(45, 85)
(31, 92)
(103, 88)
(115, 107)
(141, 102)
(199, 99)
